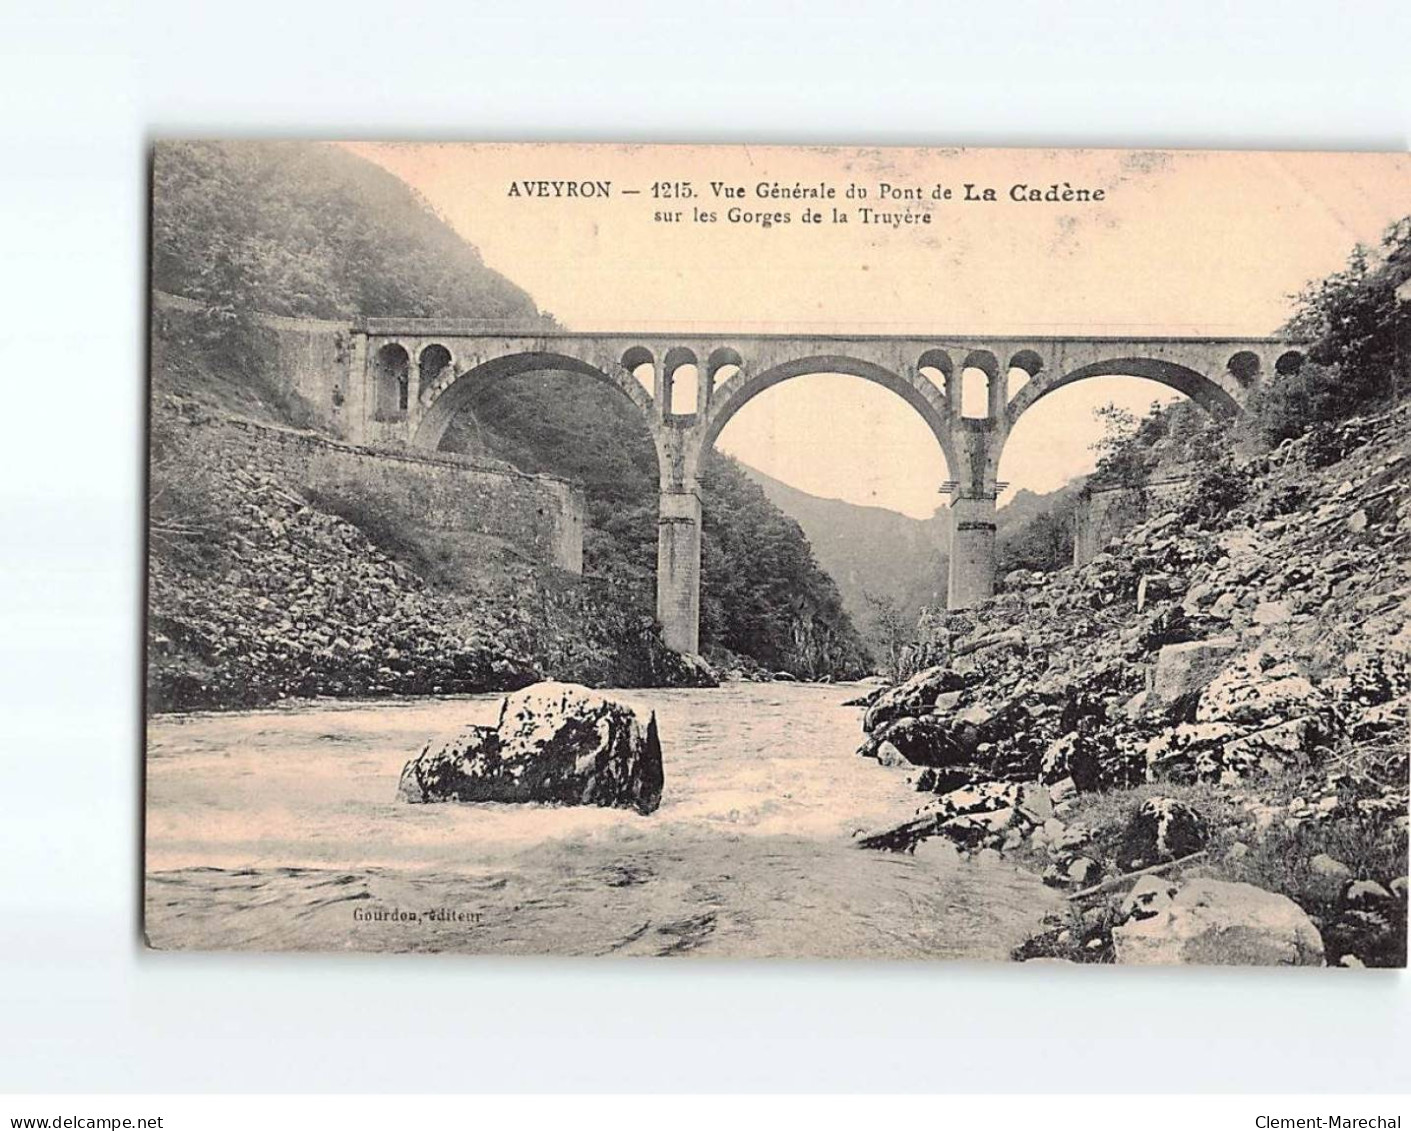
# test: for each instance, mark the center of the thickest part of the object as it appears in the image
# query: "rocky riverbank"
(256, 594)
(1220, 698)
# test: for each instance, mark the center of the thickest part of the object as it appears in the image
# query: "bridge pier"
(972, 551)
(679, 569)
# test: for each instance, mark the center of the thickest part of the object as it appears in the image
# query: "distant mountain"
(872, 550)
(869, 549)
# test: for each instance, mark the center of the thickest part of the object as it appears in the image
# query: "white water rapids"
(280, 829)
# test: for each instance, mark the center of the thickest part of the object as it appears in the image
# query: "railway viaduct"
(409, 377)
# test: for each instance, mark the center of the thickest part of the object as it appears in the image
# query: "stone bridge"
(410, 377)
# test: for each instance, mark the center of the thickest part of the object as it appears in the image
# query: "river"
(280, 830)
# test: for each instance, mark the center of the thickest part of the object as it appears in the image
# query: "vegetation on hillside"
(310, 230)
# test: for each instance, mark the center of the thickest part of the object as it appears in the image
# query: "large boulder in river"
(1214, 923)
(555, 742)
(914, 697)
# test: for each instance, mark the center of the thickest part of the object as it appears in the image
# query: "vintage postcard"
(792, 552)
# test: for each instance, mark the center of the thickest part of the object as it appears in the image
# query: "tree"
(1120, 461)
(889, 630)
(1356, 322)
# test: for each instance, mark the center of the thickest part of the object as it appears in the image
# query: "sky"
(1184, 242)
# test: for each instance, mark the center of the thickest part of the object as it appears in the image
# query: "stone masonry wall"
(1108, 513)
(541, 515)
(307, 357)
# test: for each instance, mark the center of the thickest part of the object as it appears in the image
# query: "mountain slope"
(881, 553)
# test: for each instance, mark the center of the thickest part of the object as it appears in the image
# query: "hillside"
(1203, 732)
(873, 552)
(1234, 676)
(300, 228)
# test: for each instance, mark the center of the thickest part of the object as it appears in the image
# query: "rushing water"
(281, 830)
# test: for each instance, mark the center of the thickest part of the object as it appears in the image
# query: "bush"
(1217, 492)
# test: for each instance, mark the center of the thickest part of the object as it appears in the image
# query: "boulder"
(914, 697)
(1271, 750)
(1327, 875)
(1149, 897)
(1083, 871)
(929, 740)
(1259, 688)
(1216, 923)
(1161, 829)
(1183, 668)
(554, 742)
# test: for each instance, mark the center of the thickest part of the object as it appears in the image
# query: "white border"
(83, 85)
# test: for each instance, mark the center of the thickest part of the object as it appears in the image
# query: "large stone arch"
(1199, 387)
(915, 389)
(437, 415)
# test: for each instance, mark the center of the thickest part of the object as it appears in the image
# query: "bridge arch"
(917, 390)
(1199, 387)
(439, 413)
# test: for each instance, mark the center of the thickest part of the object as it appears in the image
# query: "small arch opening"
(639, 361)
(435, 360)
(685, 390)
(1245, 366)
(936, 366)
(391, 373)
(723, 358)
(974, 393)
(1289, 363)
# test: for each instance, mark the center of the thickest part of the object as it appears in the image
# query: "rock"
(1053, 766)
(1153, 587)
(1272, 612)
(1161, 829)
(1083, 871)
(978, 798)
(1149, 896)
(947, 701)
(914, 697)
(1184, 668)
(1328, 875)
(1367, 895)
(554, 742)
(936, 851)
(972, 828)
(1259, 688)
(929, 740)
(1270, 750)
(889, 755)
(1398, 888)
(1035, 803)
(1062, 790)
(1225, 606)
(1216, 923)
